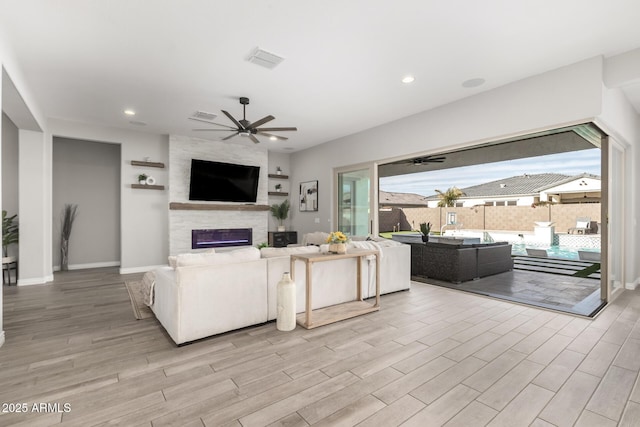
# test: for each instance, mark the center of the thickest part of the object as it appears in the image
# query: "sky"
(425, 183)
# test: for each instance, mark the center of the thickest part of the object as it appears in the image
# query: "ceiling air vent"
(203, 115)
(265, 59)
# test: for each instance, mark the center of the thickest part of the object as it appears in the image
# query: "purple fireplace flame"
(221, 238)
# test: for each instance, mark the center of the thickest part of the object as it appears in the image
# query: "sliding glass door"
(354, 208)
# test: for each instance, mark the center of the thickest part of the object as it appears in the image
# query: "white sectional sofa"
(205, 294)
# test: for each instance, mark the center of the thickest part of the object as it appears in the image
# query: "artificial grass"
(587, 271)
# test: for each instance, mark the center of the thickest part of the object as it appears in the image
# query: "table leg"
(377, 280)
(359, 279)
(309, 294)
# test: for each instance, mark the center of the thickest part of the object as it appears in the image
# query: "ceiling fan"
(427, 159)
(246, 128)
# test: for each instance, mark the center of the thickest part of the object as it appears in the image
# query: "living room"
(585, 86)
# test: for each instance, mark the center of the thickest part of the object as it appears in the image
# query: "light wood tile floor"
(431, 356)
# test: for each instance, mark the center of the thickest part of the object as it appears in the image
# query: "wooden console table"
(323, 316)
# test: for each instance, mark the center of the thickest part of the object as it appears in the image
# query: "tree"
(448, 198)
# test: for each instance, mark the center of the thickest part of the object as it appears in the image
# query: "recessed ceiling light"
(273, 138)
(408, 79)
(130, 112)
(473, 82)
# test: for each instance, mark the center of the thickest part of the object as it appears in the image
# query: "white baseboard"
(633, 285)
(130, 270)
(35, 281)
(89, 265)
(1, 338)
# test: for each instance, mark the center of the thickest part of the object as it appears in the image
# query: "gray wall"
(87, 174)
(10, 171)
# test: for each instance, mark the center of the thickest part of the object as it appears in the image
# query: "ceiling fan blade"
(230, 136)
(254, 139)
(270, 135)
(211, 123)
(219, 130)
(235, 122)
(276, 129)
(260, 122)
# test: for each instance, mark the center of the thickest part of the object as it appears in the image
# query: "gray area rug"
(140, 310)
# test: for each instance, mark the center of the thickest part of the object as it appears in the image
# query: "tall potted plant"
(280, 212)
(9, 232)
(69, 213)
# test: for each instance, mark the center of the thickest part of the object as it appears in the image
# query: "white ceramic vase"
(286, 300)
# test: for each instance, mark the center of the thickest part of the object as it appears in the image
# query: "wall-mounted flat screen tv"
(223, 182)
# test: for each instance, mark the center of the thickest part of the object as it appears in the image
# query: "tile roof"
(516, 185)
(401, 199)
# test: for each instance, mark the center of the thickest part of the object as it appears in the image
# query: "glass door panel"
(354, 188)
(615, 218)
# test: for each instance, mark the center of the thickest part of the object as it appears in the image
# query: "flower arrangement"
(337, 237)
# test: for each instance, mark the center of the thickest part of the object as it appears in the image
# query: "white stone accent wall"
(181, 150)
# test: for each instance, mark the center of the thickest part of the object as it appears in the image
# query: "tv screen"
(223, 182)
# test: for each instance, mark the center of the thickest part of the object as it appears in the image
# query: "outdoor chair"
(589, 256)
(583, 226)
(540, 253)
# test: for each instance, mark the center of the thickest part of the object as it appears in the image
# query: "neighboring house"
(388, 200)
(524, 190)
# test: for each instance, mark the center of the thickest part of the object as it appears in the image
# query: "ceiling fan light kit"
(246, 128)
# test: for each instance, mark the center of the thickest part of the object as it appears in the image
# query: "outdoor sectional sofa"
(223, 291)
(460, 263)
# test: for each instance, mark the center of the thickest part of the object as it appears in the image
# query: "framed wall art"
(309, 196)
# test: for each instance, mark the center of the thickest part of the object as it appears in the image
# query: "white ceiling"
(88, 60)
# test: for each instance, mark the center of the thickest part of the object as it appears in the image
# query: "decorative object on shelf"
(142, 178)
(425, 229)
(280, 211)
(150, 180)
(309, 196)
(69, 213)
(10, 233)
(337, 241)
(278, 187)
(278, 170)
(286, 300)
(262, 245)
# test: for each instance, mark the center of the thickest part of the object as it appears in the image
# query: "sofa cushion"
(173, 259)
(216, 258)
(278, 252)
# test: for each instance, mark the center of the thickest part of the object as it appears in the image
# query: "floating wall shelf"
(278, 193)
(147, 187)
(276, 176)
(147, 164)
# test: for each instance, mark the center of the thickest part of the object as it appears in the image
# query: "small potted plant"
(142, 178)
(278, 170)
(425, 229)
(280, 212)
(337, 241)
(278, 187)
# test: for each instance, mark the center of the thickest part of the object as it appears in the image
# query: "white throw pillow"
(582, 224)
(318, 238)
